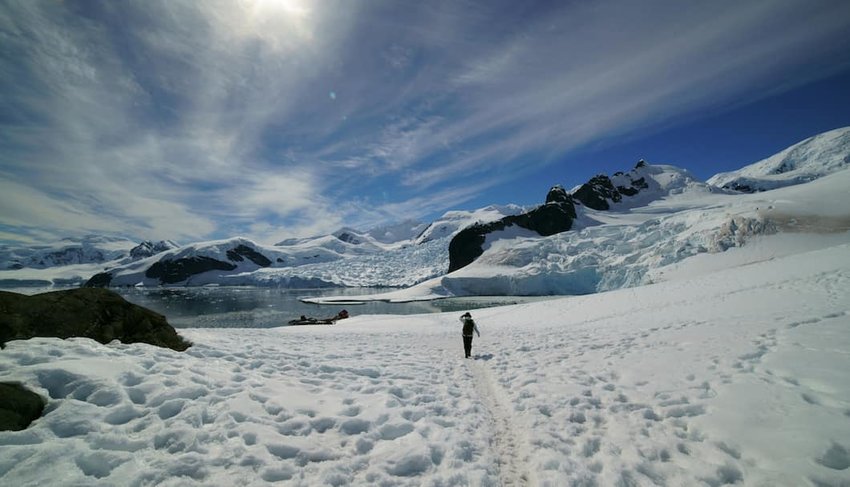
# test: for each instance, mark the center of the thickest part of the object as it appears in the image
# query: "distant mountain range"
(91, 249)
(566, 244)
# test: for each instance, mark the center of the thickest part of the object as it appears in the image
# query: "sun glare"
(282, 24)
(295, 8)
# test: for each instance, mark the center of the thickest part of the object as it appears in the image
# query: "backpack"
(468, 326)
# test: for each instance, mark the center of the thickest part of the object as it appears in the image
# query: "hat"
(466, 314)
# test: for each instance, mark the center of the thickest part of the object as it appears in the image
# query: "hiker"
(468, 327)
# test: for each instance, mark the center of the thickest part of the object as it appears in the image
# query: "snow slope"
(806, 161)
(736, 376)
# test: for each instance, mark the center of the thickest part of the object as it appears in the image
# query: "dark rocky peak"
(600, 191)
(596, 193)
(149, 248)
(557, 194)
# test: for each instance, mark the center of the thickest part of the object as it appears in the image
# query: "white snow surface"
(808, 160)
(735, 374)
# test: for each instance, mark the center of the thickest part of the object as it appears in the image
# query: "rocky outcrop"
(555, 216)
(18, 407)
(597, 192)
(94, 313)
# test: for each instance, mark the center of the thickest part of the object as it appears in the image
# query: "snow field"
(734, 376)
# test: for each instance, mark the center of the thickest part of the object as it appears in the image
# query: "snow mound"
(806, 161)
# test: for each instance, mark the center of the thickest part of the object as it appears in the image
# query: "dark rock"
(640, 183)
(555, 216)
(641, 163)
(102, 279)
(596, 193)
(627, 190)
(548, 219)
(557, 194)
(236, 255)
(743, 188)
(93, 313)
(178, 270)
(466, 246)
(18, 407)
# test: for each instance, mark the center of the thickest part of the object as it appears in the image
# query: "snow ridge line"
(509, 442)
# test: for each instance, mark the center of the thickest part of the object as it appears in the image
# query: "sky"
(270, 119)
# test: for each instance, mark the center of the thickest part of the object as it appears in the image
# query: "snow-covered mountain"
(806, 161)
(399, 232)
(399, 255)
(613, 250)
(639, 187)
(454, 221)
(68, 251)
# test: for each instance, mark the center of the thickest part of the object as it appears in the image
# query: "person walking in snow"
(469, 326)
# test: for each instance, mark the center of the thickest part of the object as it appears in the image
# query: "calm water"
(253, 307)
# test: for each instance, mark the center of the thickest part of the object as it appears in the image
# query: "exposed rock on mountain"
(601, 191)
(555, 216)
(147, 249)
(203, 262)
(98, 314)
(639, 187)
(236, 255)
(174, 271)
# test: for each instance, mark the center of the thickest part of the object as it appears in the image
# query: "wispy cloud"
(273, 118)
